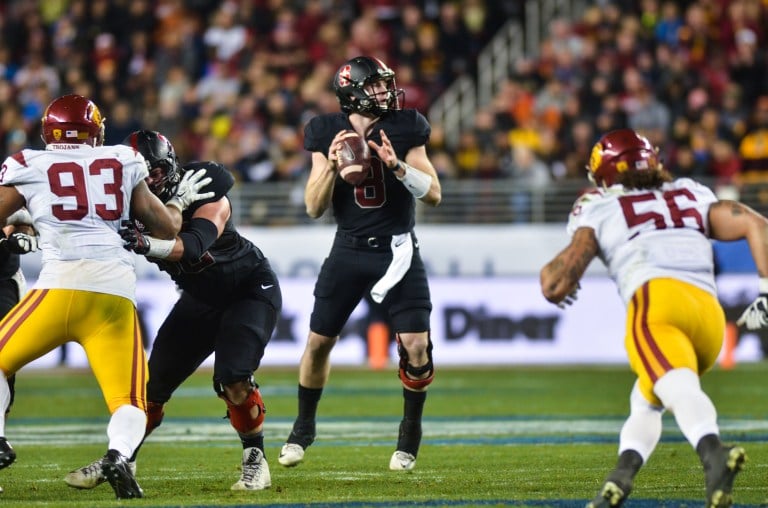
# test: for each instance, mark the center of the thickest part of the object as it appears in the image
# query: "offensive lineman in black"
(229, 304)
(375, 248)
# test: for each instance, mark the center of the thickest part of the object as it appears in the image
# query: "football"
(354, 159)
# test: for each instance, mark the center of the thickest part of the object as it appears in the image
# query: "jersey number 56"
(665, 211)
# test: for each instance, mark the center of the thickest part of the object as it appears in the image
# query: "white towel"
(402, 252)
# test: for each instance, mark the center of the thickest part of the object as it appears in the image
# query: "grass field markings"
(381, 426)
(375, 388)
(290, 390)
(339, 432)
(437, 503)
(353, 475)
(759, 422)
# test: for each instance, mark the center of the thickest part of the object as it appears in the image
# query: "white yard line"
(351, 432)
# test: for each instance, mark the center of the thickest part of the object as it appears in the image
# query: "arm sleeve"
(5, 254)
(198, 238)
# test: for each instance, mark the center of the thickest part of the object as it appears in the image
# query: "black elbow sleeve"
(198, 238)
(5, 254)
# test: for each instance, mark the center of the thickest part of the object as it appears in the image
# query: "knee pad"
(407, 372)
(155, 415)
(240, 414)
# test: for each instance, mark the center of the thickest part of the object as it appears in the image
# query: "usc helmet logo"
(95, 115)
(596, 157)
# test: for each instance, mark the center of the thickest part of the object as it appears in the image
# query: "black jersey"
(217, 275)
(381, 205)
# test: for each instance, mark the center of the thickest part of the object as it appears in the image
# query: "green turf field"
(512, 436)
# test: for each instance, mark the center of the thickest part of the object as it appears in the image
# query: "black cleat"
(7, 455)
(720, 469)
(119, 475)
(611, 494)
(618, 484)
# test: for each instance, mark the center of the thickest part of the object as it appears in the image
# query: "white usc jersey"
(647, 234)
(77, 196)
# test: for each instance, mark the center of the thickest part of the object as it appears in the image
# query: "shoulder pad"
(320, 130)
(590, 195)
(685, 182)
(421, 126)
(19, 158)
(407, 124)
(586, 199)
(221, 180)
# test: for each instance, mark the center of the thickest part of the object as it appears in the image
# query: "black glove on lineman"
(133, 239)
(19, 243)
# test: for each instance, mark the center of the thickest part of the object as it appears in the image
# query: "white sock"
(5, 401)
(681, 393)
(642, 429)
(126, 429)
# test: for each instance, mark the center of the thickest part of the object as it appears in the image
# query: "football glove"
(570, 297)
(188, 190)
(133, 239)
(20, 243)
(756, 315)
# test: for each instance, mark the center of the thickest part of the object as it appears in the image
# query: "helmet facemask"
(163, 179)
(162, 162)
(383, 96)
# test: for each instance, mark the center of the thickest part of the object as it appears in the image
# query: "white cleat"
(402, 461)
(90, 476)
(291, 454)
(255, 475)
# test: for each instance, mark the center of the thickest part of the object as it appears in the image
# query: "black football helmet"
(162, 162)
(352, 86)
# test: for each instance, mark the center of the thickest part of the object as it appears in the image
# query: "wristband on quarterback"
(417, 182)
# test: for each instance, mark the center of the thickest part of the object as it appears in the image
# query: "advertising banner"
(475, 321)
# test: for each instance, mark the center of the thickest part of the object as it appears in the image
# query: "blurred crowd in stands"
(235, 80)
(691, 76)
(230, 80)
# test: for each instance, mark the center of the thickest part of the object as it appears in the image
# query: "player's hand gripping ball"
(354, 159)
